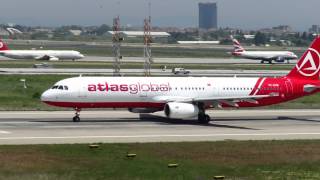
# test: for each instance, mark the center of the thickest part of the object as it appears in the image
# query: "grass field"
(129, 51)
(250, 160)
(133, 51)
(14, 97)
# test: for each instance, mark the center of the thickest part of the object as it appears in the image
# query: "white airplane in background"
(51, 55)
(268, 56)
(187, 97)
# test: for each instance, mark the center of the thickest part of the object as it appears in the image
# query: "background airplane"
(268, 56)
(187, 97)
(51, 55)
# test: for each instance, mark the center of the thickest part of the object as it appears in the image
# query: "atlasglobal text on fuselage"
(132, 88)
(187, 97)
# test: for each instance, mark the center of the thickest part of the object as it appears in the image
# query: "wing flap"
(231, 100)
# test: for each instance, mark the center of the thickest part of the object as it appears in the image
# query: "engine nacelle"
(144, 110)
(280, 59)
(53, 59)
(177, 110)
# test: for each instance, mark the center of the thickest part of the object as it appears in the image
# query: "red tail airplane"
(187, 97)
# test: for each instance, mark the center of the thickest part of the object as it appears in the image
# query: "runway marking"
(158, 136)
(5, 132)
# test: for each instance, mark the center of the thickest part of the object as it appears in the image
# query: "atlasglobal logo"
(131, 88)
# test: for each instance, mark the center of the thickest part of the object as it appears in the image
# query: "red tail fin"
(308, 65)
(3, 46)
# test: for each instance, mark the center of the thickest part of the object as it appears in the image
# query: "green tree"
(102, 30)
(260, 39)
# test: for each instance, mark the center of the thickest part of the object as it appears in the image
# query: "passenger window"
(60, 87)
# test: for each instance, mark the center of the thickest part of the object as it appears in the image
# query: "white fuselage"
(143, 90)
(267, 55)
(41, 54)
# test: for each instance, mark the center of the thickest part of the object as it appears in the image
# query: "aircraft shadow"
(297, 119)
(146, 118)
(164, 120)
(282, 118)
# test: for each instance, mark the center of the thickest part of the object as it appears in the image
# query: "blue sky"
(245, 14)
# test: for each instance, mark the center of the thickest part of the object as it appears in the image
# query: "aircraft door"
(82, 92)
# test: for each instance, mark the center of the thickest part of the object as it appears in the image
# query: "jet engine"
(280, 59)
(144, 110)
(177, 110)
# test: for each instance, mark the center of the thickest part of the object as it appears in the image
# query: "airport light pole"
(147, 46)
(116, 45)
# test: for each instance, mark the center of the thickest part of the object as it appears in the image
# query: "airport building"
(208, 16)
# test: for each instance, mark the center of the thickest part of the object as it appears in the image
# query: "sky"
(244, 14)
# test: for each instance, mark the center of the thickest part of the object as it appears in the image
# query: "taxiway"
(118, 126)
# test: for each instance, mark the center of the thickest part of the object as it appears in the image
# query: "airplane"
(51, 55)
(187, 97)
(268, 56)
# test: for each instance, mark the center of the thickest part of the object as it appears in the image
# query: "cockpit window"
(60, 87)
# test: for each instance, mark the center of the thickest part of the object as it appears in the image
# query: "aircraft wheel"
(262, 62)
(76, 119)
(270, 62)
(204, 118)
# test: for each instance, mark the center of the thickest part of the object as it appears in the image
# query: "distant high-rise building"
(208, 16)
(314, 29)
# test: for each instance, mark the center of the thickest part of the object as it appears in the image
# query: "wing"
(216, 101)
(276, 58)
(46, 57)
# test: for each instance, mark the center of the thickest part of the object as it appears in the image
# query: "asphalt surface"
(154, 72)
(182, 60)
(121, 126)
(169, 60)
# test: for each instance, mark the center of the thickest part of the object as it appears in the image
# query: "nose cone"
(81, 56)
(47, 96)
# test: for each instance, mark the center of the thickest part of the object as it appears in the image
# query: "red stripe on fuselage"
(107, 104)
(256, 86)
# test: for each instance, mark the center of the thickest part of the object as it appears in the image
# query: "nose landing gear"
(76, 118)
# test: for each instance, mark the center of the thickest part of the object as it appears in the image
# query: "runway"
(167, 60)
(135, 72)
(121, 126)
(181, 60)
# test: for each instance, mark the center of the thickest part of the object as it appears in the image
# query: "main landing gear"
(203, 118)
(269, 61)
(76, 118)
